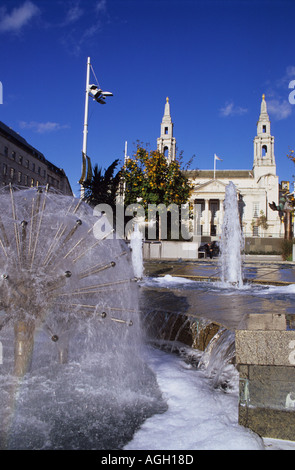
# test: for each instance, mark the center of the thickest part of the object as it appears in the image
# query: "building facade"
(23, 165)
(256, 187)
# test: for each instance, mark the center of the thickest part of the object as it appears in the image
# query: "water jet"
(137, 256)
(232, 242)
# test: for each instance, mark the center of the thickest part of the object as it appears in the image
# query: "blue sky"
(213, 58)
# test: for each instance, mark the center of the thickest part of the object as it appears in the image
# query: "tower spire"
(263, 110)
(166, 143)
(167, 110)
(264, 141)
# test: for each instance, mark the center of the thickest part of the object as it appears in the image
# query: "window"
(4, 169)
(20, 160)
(264, 129)
(32, 182)
(19, 176)
(12, 173)
(33, 166)
(166, 151)
(6, 151)
(27, 163)
(166, 130)
(26, 180)
(264, 150)
(13, 155)
(255, 210)
(255, 231)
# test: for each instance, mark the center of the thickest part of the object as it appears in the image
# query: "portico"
(208, 203)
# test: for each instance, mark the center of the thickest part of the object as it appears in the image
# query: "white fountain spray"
(232, 241)
(137, 257)
(73, 375)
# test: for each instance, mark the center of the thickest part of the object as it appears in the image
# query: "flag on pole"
(215, 158)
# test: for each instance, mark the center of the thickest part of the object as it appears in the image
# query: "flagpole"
(125, 155)
(85, 129)
(214, 166)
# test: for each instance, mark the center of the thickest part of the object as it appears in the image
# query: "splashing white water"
(137, 257)
(231, 240)
(198, 416)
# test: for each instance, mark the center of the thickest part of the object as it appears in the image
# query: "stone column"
(265, 356)
(197, 222)
(207, 218)
(221, 215)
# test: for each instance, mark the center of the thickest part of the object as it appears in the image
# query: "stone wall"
(263, 245)
(170, 250)
(265, 355)
(189, 250)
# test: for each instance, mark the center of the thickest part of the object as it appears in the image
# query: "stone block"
(268, 387)
(265, 347)
(267, 422)
(265, 340)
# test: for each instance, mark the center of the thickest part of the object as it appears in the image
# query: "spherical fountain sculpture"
(69, 327)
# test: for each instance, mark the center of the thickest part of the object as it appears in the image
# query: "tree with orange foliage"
(149, 179)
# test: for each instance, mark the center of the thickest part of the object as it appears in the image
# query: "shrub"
(287, 248)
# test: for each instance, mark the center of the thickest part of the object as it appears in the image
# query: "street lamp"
(98, 95)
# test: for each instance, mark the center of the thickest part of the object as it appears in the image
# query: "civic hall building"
(23, 165)
(256, 187)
